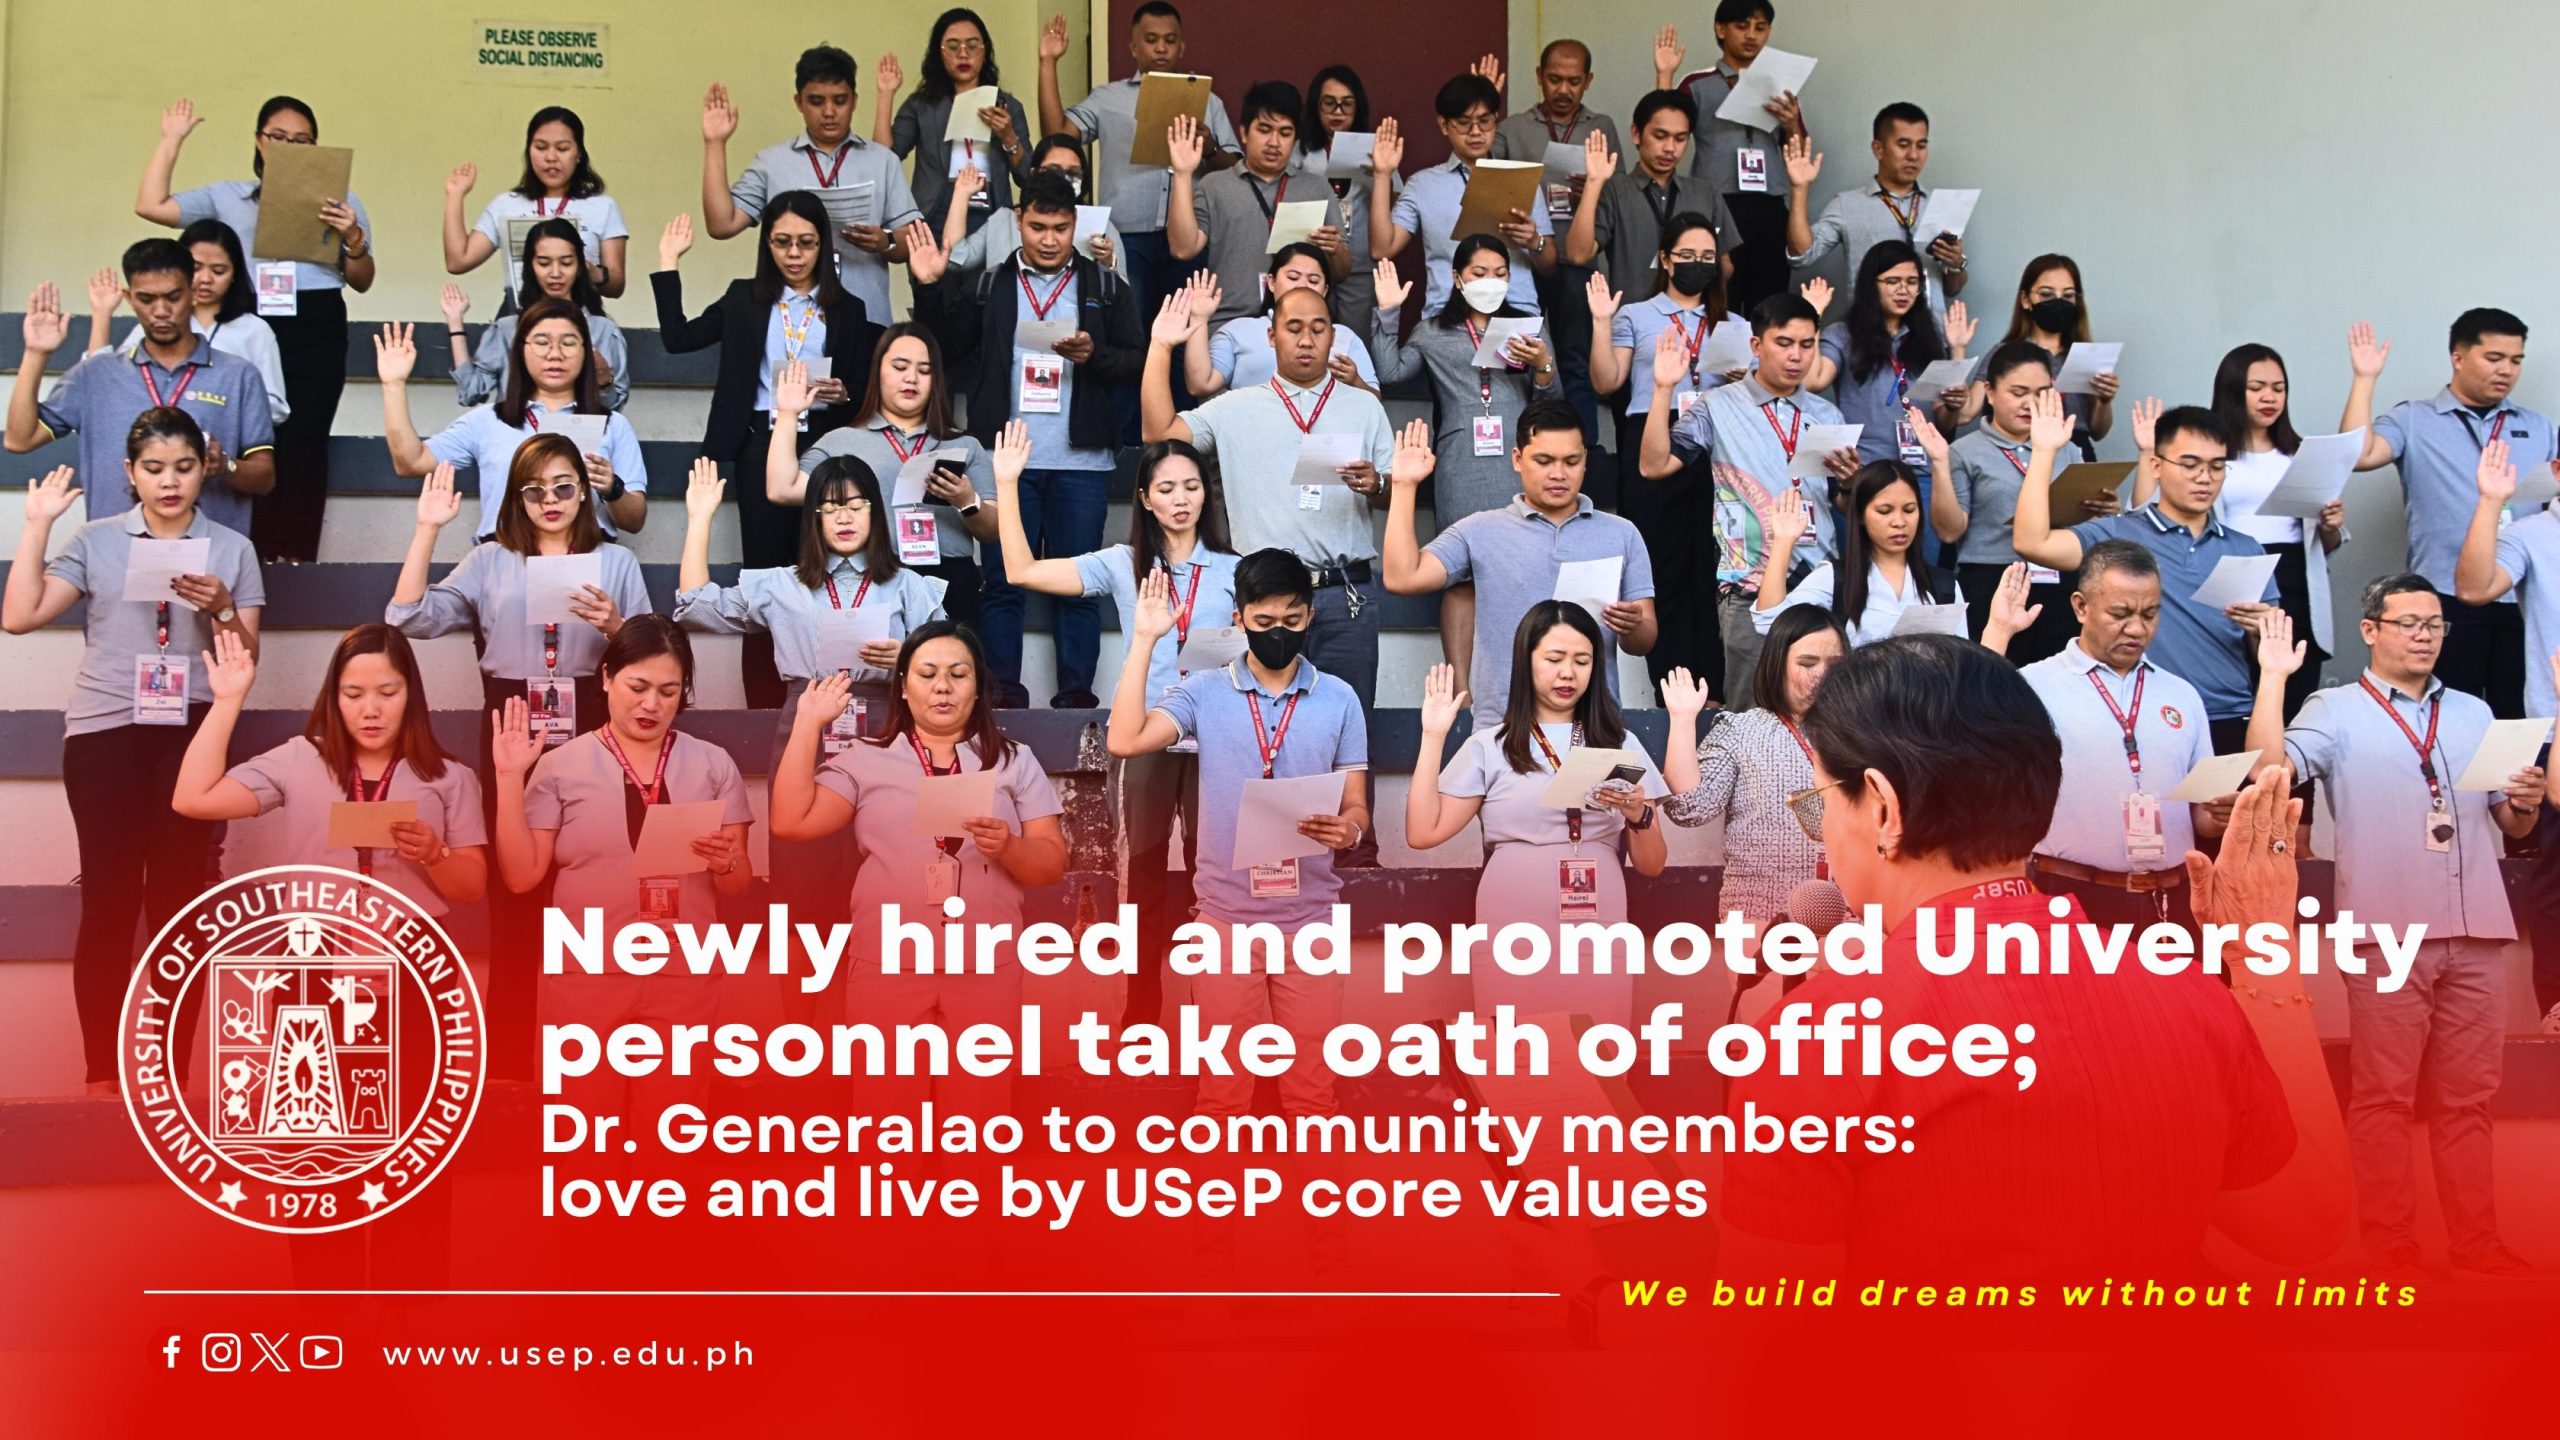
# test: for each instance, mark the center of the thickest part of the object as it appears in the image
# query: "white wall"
(2223, 173)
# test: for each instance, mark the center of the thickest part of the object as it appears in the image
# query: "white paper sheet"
(549, 581)
(1564, 160)
(1948, 213)
(151, 564)
(1728, 347)
(1321, 456)
(2536, 486)
(1348, 155)
(584, 431)
(1041, 337)
(1092, 223)
(665, 846)
(2318, 475)
(855, 204)
(2087, 361)
(2214, 777)
(2237, 580)
(964, 123)
(1497, 336)
(1293, 221)
(1772, 73)
(1940, 377)
(1267, 818)
(2510, 746)
(1583, 771)
(909, 487)
(1210, 647)
(1815, 446)
(944, 801)
(1932, 620)
(1591, 584)
(843, 633)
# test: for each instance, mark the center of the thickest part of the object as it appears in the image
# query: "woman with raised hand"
(1880, 572)
(1479, 407)
(959, 56)
(226, 309)
(1238, 355)
(551, 268)
(1871, 358)
(1974, 513)
(371, 738)
(1177, 531)
(560, 182)
(136, 700)
(1544, 866)
(311, 337)
(940, 724)
(1337, 102)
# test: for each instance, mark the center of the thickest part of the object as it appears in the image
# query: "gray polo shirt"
(1429, 208)
(1326, 732)
(869, 443)
(2370, 777)
(2437, 444)
(880, 781)
(116, 629)
(1256, 444)
(1983, 466)
(483, 595)
(294, 778)
(2195, 643)
(2529, 551)
(577, 791)
(100, 397)
(1108, 118)
(1638, 327)
(1628, 226)
(1512, 556)
(796, 164)
(1204, 594)
(2168, 729)
(1235, 208)
(1526, 135)
(1716, 143)
(773, 600)
(1863, 218)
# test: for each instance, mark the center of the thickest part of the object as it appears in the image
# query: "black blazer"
(979, 316)
(736, 323)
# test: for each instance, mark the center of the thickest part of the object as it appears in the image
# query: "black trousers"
(2541, 908)
(139, 861)
(1676, 516)
(2293, 594)
(2053, 629)
(1760, 267)
(968, 588)
(311, 344)
(768, 535)
(515, 921)
(2484, 655)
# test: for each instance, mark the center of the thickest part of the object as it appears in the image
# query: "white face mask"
(1485, 295)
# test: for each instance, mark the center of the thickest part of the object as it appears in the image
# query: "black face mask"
(2055, 317)
(1275, 647)
(1692, 277)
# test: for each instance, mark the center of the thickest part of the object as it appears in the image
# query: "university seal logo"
(341, 1049)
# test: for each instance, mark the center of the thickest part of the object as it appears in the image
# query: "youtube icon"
(323, 1352)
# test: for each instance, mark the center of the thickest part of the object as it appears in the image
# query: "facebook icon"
(169, 1352)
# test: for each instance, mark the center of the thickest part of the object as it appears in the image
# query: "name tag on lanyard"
(277, 281)
(159, 690)
(1044, 384)
(1751, 170)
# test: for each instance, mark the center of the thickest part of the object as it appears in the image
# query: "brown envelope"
(2081, 483)
(1494, 189)
(1160, 98)
(298, 178)
(367, 823)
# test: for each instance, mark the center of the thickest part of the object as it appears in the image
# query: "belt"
(1355, 572)
(2140, 882)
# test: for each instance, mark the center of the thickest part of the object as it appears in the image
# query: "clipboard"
(297, 179)
(367, 824)
(1494, 189)
(1161, 97)
(2079, 484)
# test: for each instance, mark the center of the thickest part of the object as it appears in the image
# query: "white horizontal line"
(944, 1294)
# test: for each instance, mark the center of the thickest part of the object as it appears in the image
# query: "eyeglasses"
(844, 507)
(1072, 176)
(278, 137)
(553, 345)
(1899, 282)
(1339, 104)
(964, 47)
(1470, 124)
(2410, 626)
(2193, 465)
(793, 244)
(557, 490)
(1806, 806)
(1701, 257)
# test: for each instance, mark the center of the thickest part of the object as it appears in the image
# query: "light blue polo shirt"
(2169, 729)
(100, 397)
(479, 441)
(1511, 556)
(1107, 572)
(1638, 327)
(796, 165)
(1326, 732)
(235, 203)
(2437, 444)
(2529, 551)
(2194, 643)
(1428, 209)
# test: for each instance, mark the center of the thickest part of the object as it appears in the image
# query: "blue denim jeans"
(1062, 517)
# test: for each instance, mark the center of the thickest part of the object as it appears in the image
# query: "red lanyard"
(1182, 617)
(899, 448)
(1555, 762)
(1266, 739)
(1901, 387)
(1822, 866)
(2426, 748)
(648, 793)
(163, 622)
(1695, 343)
(1560, 136)
(2012, 457)
(1270, 207)
(1905, 221)
(827, 177)
(1306, 423)
(152, 383)
(1795, 426)
(858, 592)
(540, 213)
(550, 648)
(2132, 747)
(363, 794)
(947, 844)
(2497, 426)
(1484, 376)
(1040, 307)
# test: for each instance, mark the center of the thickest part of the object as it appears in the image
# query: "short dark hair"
(2013, 354)
(1736, 12)
(1657, 101)
(1541, 416)
(992, 745)
(2377, 594)
(2129, 556)
(1312, 134)
(1568, 43)
(1464, 93)
(823, 62)
(514, 528)
(1783, 308)
(644, 637)
(1050, 193)
(1154, 9)
(2193, 420)
(1276, 98)
(1900, 112)
(163, 422)
(157, 256)
(1794, 625)
(2478, 324)
(1273, 574)
(1935, 715)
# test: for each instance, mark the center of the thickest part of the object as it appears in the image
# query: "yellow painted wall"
(80, 105)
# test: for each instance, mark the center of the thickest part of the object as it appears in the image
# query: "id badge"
(1751, 170)
(1560, 202)
(553, 704)
(276, 288)
(919, 538)
(2439, 830)
(963, 159)
(1310, 497)
(846, 728)
(1274, 882)
(159, 690)
(1488, 433)
(2145, 844)
(941, 877)
(1043, 384)
(1909, 440)
(1578, 889)
(661, 896)
(2039, 575)
(1688, 402)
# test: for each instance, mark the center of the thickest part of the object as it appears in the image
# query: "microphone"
(1818, 906)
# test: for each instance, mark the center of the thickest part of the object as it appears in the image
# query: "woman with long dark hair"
(311, 337)
(1871, 357)
(1543, 866)
(225, 313)
(793, 309)
(1974, 513)
(1338, 103)
(559, 182)
(551, 269)
(2052, 312)
(1880, 572)
(959, 56)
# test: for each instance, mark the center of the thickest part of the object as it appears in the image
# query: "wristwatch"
(1643, 821)
(970, 509)
(617, 490)
(226, 615)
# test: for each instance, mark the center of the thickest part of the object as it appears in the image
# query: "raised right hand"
(1173, 320)
(229, 667)
(791, 388)
(1393, 288)
(438, 501)
(1386, 153)
(1012, 453)
(46, 328)
(1604, 301)
(1053, 39)
(1154, 615)
(1668, 53)
(2497, 474)
(1184, 141)
(1804, 163)
(2146, 423)
(1414, 458)
(719, 117)
(2050, 428)
(455, 305)
(512, 745)
(673, 241)
(886, 76)
(180, 120)
(2366, 354)
(459, 182)
(106, 291)
(2279, 654)
(823, 701)
(702, 491)
(395, 352)
(1442, 701)
(50, 498)
(1683, 694)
